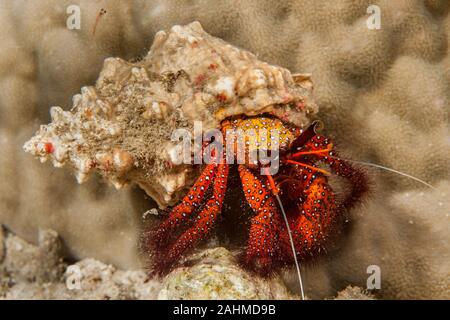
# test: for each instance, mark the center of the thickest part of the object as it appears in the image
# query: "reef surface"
(383, 96)
(40, 272)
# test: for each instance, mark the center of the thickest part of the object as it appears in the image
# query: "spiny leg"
(262, 248)
(321, 148)
(201, 226)
(319, 211)
(183, 211)
(313, 222)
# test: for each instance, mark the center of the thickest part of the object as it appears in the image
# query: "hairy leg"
(262, 252)
(201, 226)
(313, 222)
(181, 213)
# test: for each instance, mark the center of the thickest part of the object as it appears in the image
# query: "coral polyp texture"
(122, 127)
(384, 97)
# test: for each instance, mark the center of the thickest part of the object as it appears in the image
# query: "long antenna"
(297, 265)
(275, 191)
(392, 170)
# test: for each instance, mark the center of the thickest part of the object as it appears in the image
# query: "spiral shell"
(122, 126)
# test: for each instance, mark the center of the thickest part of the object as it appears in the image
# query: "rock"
(92, 279)
(38, 272)
(27, 262)
(215, 275)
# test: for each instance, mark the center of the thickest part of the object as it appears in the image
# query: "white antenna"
(297, 265)
(391, 170)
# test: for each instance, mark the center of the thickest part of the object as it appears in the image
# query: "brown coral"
(383, 95)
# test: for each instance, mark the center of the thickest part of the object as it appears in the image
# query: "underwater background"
(383, 95)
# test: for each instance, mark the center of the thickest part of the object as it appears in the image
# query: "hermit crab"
(122, 127)
(313, 212)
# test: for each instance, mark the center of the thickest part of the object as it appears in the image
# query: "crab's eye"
(306, 135)
(317, 126)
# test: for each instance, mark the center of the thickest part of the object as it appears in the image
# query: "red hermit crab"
(312, 209)
(122, 127)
